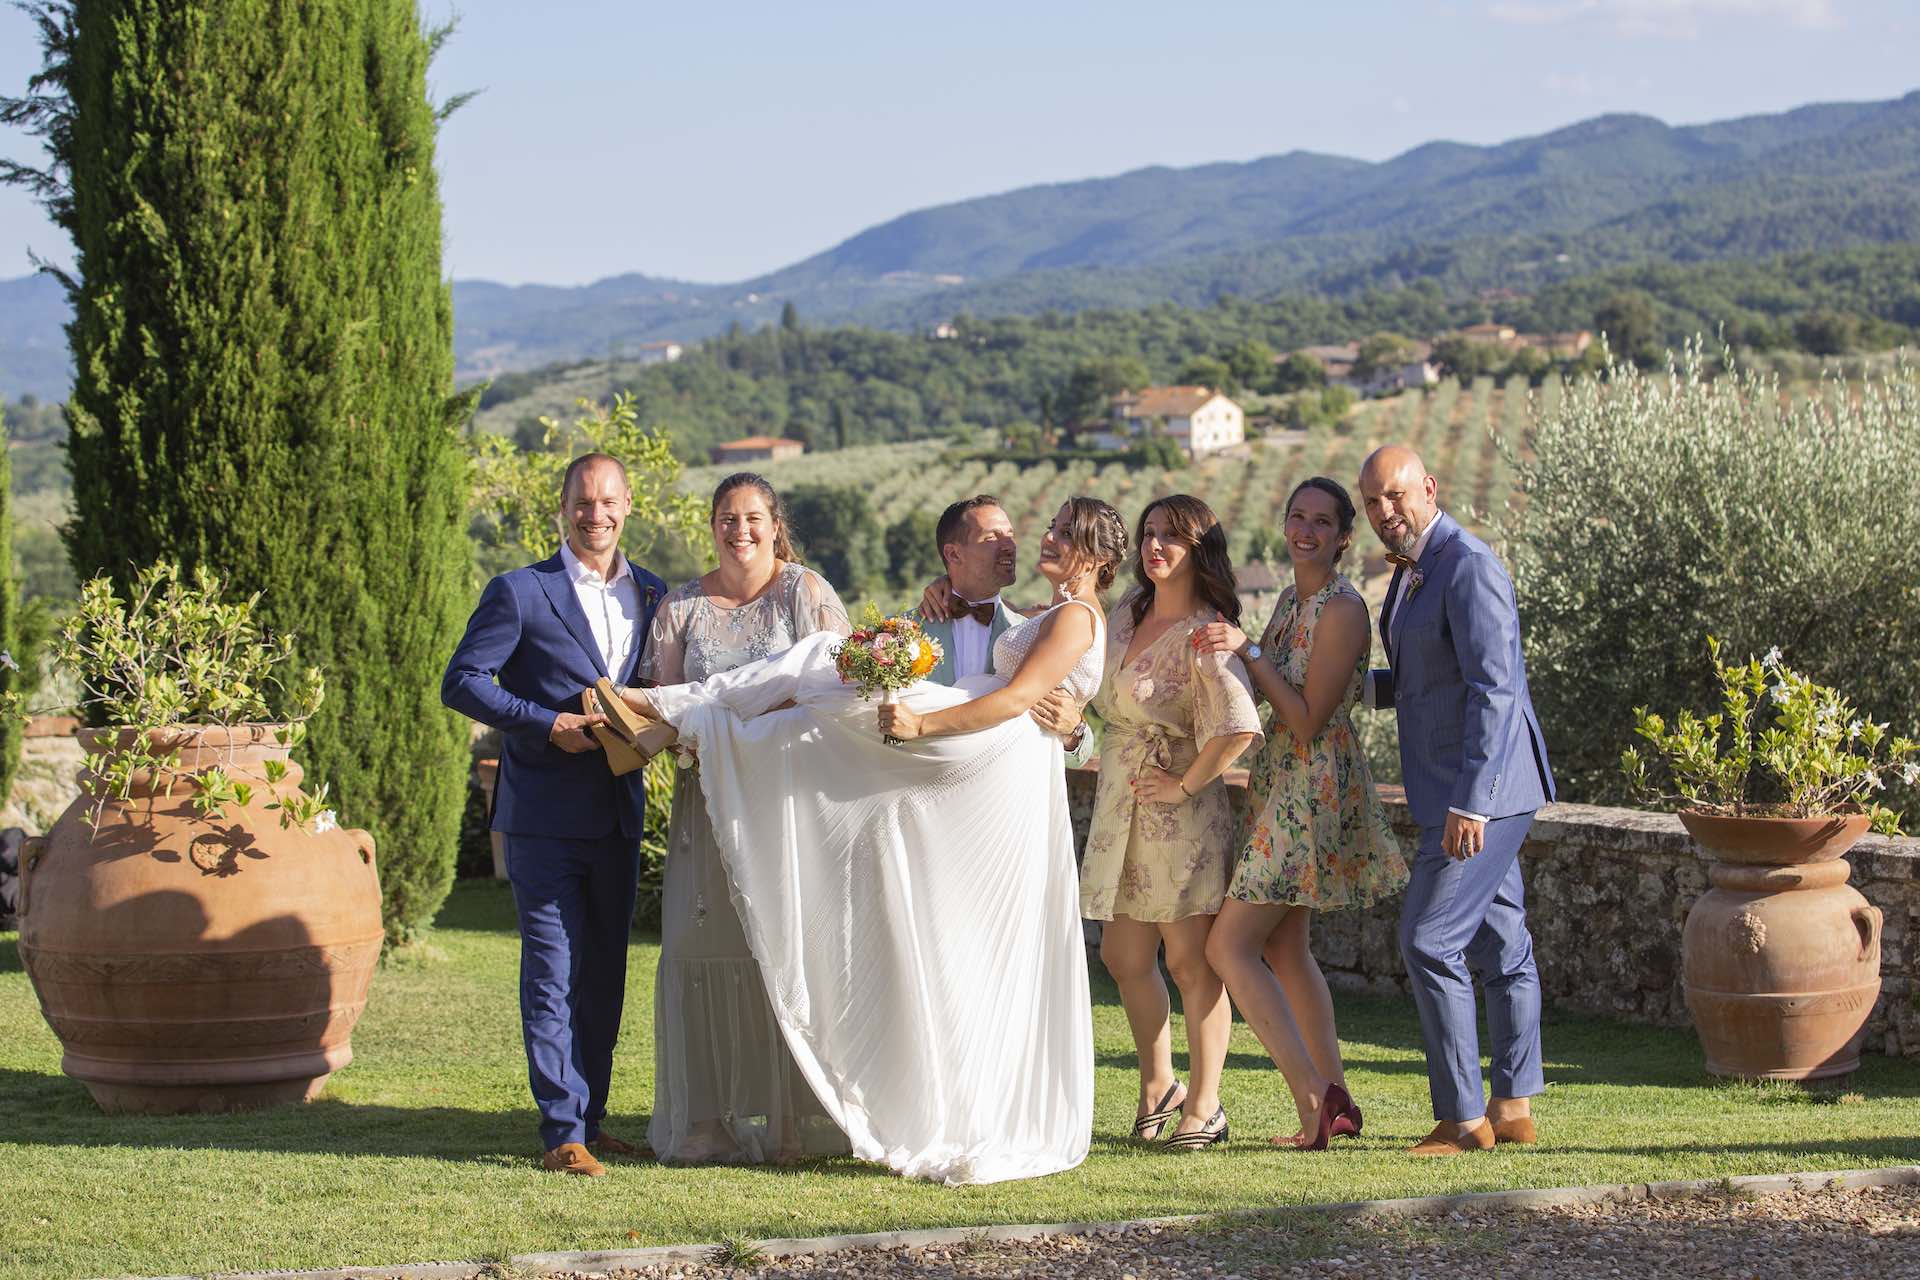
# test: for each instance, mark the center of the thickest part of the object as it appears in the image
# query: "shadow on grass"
(54, 1110)
(9, 955)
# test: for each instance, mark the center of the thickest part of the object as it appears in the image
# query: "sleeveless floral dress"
(1316, 835)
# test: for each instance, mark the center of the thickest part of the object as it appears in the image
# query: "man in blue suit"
(1475, 767)
(540, 637)
(977, 546)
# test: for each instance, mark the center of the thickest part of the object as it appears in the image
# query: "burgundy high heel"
(1335, 1103)
(1347, 1123)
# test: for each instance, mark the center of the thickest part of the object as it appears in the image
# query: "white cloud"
(1681, 18)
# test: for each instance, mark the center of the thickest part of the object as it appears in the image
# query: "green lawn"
(424, 1148)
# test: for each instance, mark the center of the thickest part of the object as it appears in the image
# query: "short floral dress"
(1162, 862)
(1317, 836)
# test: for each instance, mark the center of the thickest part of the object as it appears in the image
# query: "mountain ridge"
(1599, 193)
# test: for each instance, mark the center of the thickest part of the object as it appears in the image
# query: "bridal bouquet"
(885, 655)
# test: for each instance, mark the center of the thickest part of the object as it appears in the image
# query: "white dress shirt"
(1393, 616)
(972, 642)
(612, 608)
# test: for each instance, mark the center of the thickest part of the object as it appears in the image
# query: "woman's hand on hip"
(1157, 786)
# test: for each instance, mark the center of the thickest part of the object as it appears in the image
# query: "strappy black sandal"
(1203, 1137)
(1148, 1126)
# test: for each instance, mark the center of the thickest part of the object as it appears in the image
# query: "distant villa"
(757, 449)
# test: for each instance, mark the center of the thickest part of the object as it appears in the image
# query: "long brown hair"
(782, 542)
(1194, 524)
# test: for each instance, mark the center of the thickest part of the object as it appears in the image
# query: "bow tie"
(1400, 561)
(981, 613)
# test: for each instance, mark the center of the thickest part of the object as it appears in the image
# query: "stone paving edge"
(1763, 1184)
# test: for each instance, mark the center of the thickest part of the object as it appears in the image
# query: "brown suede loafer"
(571, 1157)
(605, 1144)
(1519, 1129)
(1443, 1142)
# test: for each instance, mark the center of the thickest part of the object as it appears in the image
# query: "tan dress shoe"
(1444, 1141)
(1519, 1129)
(605, 1144)
(571, 1157)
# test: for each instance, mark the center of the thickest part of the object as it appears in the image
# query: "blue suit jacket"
(526, 657)
(1468, 737)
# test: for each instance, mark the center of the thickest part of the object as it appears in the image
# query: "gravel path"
(1830, 1234)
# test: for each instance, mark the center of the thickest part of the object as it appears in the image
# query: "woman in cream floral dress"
(1161, 843)
(1317, 839)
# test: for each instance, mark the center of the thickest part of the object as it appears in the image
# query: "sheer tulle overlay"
(914, 912)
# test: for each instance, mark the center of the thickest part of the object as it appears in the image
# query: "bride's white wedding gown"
(913, 907)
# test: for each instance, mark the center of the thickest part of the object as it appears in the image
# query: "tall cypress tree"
(10, 727)
(262, 341)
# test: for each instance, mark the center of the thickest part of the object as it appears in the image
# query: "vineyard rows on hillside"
(1453, 427)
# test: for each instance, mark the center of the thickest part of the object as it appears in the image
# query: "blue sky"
(714, 142)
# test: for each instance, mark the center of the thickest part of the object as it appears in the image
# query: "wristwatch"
(1252, 654)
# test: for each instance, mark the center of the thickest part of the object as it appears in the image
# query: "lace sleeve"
(665, 659)
(817, 607)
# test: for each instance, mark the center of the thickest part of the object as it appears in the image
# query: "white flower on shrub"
(6, 660)
(325, 821)
(1773, 657)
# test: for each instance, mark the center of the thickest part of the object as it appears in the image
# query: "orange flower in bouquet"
(885, 655)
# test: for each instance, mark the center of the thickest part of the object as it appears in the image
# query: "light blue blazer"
(1469, 739)
(942, 672)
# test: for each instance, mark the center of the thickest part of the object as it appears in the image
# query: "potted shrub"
(199, 930)
(1781, 958)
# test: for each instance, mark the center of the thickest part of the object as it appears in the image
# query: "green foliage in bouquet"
(1815, 754)
(885, 654)
(263, 355)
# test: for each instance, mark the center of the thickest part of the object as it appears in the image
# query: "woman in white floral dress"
(1160, 846)
(1317, 839)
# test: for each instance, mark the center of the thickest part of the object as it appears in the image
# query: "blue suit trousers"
(575, 902)
(1461, 921)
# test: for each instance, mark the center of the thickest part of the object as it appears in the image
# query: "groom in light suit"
(977, 547)
(539, 637)
(1475, 767)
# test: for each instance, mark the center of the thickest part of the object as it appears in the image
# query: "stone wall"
(48, 777)
(1608, 891)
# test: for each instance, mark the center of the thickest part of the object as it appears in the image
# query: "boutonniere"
(649, 596)
(1414, 579)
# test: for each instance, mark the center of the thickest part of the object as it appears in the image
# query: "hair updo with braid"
(1096, 539)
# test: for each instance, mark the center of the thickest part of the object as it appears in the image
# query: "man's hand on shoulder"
(573, 732)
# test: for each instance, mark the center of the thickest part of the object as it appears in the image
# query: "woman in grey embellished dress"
(725, 1084)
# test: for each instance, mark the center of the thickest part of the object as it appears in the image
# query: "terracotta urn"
(1781, 957)
(199, 964)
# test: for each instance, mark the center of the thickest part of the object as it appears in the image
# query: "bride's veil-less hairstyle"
(782, 540)
(1191, 522)
(1098, 537)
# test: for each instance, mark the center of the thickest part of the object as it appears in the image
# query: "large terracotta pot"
(189, 964)
(1781, 957)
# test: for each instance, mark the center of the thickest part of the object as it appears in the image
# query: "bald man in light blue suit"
(1475, 767)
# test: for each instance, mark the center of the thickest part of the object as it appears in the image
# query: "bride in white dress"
(914, 906)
